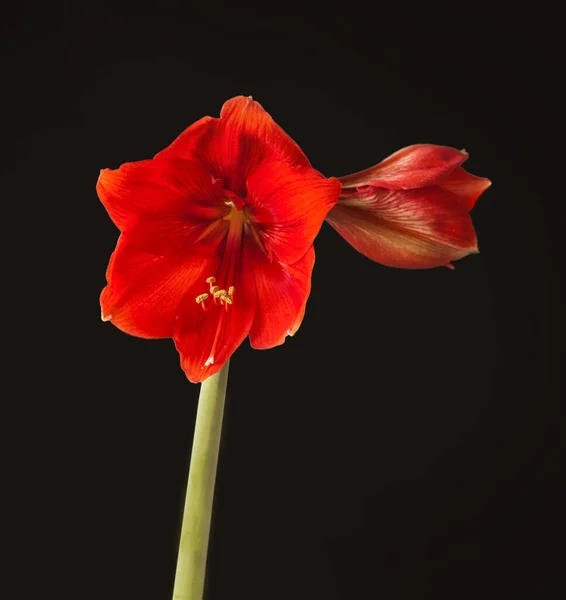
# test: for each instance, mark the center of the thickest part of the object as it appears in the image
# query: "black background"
(404, 444)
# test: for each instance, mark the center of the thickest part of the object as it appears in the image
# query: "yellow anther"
(220, 296)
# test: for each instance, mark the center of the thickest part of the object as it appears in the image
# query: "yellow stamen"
(220, 296)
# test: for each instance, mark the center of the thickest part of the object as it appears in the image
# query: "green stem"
(193, 547)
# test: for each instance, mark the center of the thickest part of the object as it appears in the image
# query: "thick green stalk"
(193, 547)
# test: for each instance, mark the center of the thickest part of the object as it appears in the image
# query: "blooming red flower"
(216, 237)
(412, 209)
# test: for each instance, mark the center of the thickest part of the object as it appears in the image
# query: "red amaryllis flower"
(412, 209)
(216, 237)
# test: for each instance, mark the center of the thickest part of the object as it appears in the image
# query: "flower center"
(219, 296)
(240, 212)
(232, 199)
(239, 221)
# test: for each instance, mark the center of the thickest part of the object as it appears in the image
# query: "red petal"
(464, 184)
(144, 291)
(188, 143)
(288, 205)
(411, 167)
(282, 293)
(163, 205)
(414, 229)
(233, 145)
(206, 339)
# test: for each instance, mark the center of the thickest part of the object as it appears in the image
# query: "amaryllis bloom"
(216, 238)
(412, 209)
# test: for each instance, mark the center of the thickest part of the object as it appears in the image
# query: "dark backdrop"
(404, 444)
